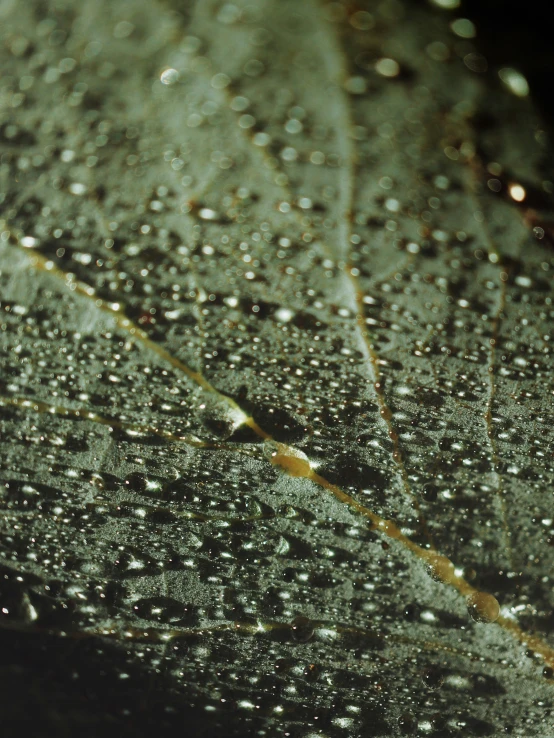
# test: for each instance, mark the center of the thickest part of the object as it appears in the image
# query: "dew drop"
(169, 77)
(514, 81)
(77, 188)
(463, 27)
(293, 125)
(517, 192)
(361, 20)
(432, 678)
(387, 67)
(447, 4)
(229, 14)
(284, 315)
(302, 629)
(356, 85)
(483, 607)
(440, 568)
(220, 81)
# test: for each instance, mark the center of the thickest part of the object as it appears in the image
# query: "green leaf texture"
(276, 378)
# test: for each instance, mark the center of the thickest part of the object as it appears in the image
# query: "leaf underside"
(276, 322)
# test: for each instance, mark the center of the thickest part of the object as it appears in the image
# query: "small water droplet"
(302, 629)
(169, 77)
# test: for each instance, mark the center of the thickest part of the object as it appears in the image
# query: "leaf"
(276, 377)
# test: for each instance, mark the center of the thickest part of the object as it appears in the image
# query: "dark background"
(518, 33)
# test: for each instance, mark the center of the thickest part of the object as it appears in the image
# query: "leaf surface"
(276, 388)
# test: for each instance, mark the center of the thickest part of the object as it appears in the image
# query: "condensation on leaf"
(276, 373)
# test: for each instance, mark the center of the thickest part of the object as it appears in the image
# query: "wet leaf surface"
(276, 387)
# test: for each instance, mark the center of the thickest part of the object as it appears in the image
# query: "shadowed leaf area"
(276, 379)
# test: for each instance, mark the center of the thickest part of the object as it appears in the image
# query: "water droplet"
(361, 20)
(440, 568)
(463, 27)
(356, 85)
(447, 4)
(514, 81)
(169, 77)
(302, 629)
(432, 677)
(407, 723)
(387, 67)
(483, 607)
(517, 192)
(476, 62)
(293, 462)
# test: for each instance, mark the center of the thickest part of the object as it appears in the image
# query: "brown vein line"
(40, 263)
(476, 170)
(476, 167)
(161, 634)
(164, 636)
(488, 420)
(38, 406)
(440, 567)
(336, 72)
(260, 627)
(288, 459)
(153, 635)
(386, 412)
(426, 645)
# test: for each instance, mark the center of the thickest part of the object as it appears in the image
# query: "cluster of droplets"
(373, 364)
